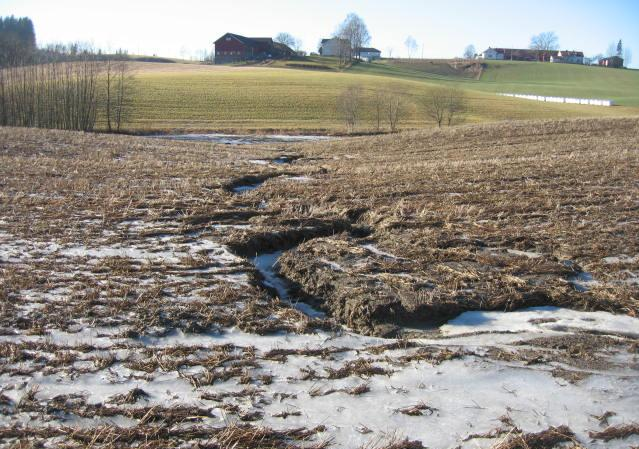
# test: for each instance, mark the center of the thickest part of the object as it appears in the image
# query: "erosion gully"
(264, 250)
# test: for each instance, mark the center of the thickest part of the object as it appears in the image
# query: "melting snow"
(266, 265)
(540, 319)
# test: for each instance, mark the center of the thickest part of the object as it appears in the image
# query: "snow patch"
(540, 319)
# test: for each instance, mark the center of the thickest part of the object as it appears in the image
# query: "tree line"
(17, 39)
(444, 106)
(60, 86)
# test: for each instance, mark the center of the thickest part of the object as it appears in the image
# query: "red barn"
(615, 62)
(235, 48)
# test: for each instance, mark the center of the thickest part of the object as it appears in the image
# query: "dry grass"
(550, 438)
(616, 432)
(448, 209)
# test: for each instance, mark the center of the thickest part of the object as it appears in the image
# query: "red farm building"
(235, 48)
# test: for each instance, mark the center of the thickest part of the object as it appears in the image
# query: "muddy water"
(238, 139)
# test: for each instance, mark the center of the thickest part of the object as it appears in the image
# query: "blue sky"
(442, 28)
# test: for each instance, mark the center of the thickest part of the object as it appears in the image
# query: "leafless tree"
(627, 57)
(349, 106)
(546, 41)
(435, 105)
(286, 39)
(389, 51)
(394, 108)
(470, 52)
(345, 51)
(354, 30)
(612, 50)
(65, 89)
(455, 105)
(411, 45)
(443, 105)
(379, 101)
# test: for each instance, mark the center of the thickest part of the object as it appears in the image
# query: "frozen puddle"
(247, 187)
(280, 160)
(246, 139)
(266, 264)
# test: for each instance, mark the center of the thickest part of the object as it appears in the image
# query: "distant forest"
(17, 39)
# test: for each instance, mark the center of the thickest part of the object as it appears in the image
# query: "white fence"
(586, 101)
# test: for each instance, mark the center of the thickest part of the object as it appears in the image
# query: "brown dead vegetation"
(550, 438)
(385, 233)
(616, 432)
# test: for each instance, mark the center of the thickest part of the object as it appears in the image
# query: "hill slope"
(196, 97)
(563, 80)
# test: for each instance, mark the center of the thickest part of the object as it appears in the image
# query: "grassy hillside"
(562, 80)
(196, 97)
(622, 86)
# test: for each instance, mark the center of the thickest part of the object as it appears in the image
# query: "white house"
(334, 47)
(368, 54)
(568, 57)
(492, 53)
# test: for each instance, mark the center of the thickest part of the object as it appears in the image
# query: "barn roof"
(247, 40)
(572, 53)
(368, 50)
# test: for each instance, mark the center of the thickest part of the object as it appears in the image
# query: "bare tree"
(66, 87)
(393, 108)
(612, 50)
(470, 52)
(455, 105)
(123, 94)
(387, 106)
(354, 30)
(545, 42)
(435, 105)
(345, 51)
(443, 105)
(349, 105)
(118, 90)
(411, 45)
(389, 51)
(379, 101)
(286, 39)
(627, 57)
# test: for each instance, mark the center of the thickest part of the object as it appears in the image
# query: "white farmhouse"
(334, 47)
(492, 54)
(568, 57)
(368, 54)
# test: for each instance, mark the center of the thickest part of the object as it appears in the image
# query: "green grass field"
(301, 96)
(562, 80)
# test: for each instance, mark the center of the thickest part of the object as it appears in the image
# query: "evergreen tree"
(620, 49)
(17, 40)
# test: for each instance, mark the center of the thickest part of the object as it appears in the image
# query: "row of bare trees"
(387, 105)
(442, 105)
(68, 91)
